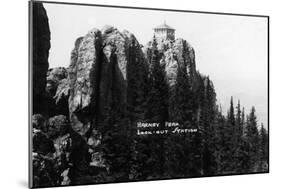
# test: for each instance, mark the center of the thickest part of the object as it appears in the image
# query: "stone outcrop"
(62, 93)
(54, 76)
(57, 91)
(175, 53)
(83, 78)
(40, 50)
(98, 87)
(113, 75)
(98, 76)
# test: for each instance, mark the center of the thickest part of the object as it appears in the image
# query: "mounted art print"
(122, 94)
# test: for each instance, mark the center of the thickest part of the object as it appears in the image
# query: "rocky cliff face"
(98, 76)
(83, 73)
(174, 54)
(99, 84)
(41, 46)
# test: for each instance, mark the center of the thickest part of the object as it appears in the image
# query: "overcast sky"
(232, 50)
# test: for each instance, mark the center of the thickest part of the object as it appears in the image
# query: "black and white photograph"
(125, 94)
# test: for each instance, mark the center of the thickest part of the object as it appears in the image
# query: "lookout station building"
(164, 32)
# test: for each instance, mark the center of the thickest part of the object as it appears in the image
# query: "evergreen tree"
(132, 77)
(178, 147)
(136, 79)
(252, 139)
(220, 141)
(115, 145)
(116, 141)
(157, 111)
(238, 120)
(238, 141)
(157, 97)
(243, 121)
(231, 116)
(209, 116)
(182, 111)
(263, 149)
(228, 162)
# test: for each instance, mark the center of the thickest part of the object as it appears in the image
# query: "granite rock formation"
(175, 53)
(98, 84)
(98, 76)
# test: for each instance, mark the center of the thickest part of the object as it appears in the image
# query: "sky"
(231, 50)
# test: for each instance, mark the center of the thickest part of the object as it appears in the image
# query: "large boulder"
(57, 91)
(39, 122)
(54, 76)
(58, 126)
(40, 140)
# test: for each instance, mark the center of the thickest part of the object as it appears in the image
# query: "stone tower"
(164, 32)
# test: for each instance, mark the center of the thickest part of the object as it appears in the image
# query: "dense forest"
(85, 117)
(224, 144)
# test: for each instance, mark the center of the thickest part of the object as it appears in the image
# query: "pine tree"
(238, 141)
(132, 77)
(252, 139)
(209, 116)
(115, 145)
(238, 120)
(178, 147)
(157, 111)
(116, 136)
(229, 163)
(182, 100)
(157, 97)
(263, 167)
(136, 87)
(231, 116)
(243, 121)
(220, 141)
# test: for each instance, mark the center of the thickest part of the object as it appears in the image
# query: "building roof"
(164, 26)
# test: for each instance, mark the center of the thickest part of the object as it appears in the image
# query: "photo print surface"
(128, 94)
